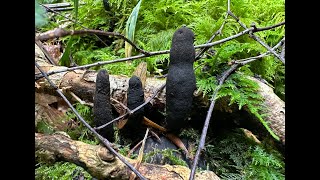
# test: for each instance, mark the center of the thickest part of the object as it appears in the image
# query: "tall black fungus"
(101, 105)
(135, 97)
(181, 80)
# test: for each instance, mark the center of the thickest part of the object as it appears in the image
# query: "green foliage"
(40, 15)
(265, 165)
(49, 1)
(243, 91)
(156, 64)
(103, 54)
(190, 134)
(81, 132)
(168, 155)
(130, 28)
(43, 127)
(131, 22)
(124, 150)
(165, 14)
(207, 85)
(234, 156)
(121, 10)
(65, 59)
(60, 170)
(84, 110)
(155, 43)
(76, 7)
(204, 28)
(91, 14)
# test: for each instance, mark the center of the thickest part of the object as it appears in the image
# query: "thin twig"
(143, 55)
(283, 50)
(60, 32)
(250, 59)
(140, 156)
(121, 104)
(224, 76)
(150, 98)
(38, 76)
(76, 22)
(208, 117)
(267, 47)
(146, 121)
(140, 142)
(218, 32)
(135, 147)
(155, 135)
(110, 122)
(269, 27)
(103, 140)
(225, 39)
(79, 100)
(134, 110)
(256, 37)
(207, 45)
(46, 53)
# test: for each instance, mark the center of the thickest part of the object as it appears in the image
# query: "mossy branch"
(102, 164)
(80, 80)
(103, 140)
(76, 22)
(60, 32)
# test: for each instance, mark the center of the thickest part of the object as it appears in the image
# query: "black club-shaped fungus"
(102, 108)
(135, 97)
(181, 80)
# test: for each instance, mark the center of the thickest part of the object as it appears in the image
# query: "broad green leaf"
(40, 15)
(130, 28)
(76, 5)
(65, 61)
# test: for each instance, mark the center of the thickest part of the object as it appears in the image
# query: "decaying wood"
(275, 111)
(82, 83)
(102, 164)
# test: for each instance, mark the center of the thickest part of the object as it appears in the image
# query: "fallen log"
(102, 164)
(82, 84)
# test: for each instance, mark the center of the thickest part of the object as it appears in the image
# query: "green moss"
(233, 156)
(61, 171)
(168, 155)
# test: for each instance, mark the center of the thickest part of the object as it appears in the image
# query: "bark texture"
(275, 111)
(101, 164)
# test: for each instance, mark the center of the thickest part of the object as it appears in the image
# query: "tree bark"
(275, 110)
(82, 83)
(102, 164)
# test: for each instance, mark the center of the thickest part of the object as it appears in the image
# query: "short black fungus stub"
(101, 105)
(135, 97)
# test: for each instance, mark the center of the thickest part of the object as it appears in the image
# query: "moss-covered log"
(100, 163)
(82, 83)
